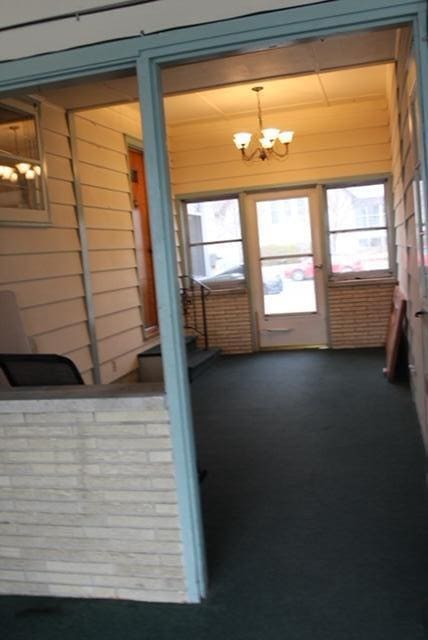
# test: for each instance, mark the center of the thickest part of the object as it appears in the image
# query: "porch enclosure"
(78, 286)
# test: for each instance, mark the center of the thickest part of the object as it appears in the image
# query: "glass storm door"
(286, 270)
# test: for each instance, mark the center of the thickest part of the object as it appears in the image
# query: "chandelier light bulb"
(286, 137)
(23, 167)
(37, 169)
(270, 133)
(30, 174)
(7, 172)
(267, 143)
(242, 139)
(13, 176)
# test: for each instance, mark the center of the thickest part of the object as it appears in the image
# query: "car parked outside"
(304, 270)
(234, 276)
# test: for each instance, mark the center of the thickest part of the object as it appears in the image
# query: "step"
(199, 361)
(157, 351)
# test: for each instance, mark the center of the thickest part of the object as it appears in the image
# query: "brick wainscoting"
(228, 320)
(359, 313)
(358, 316)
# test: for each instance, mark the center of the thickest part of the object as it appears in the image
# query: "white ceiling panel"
(355, 83)
(294, 59)
(287, 93)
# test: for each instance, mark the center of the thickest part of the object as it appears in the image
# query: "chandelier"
(272, 142)
(23, 169)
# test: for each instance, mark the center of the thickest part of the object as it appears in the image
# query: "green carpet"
(315, 512)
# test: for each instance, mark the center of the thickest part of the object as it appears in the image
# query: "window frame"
(372, 274)
(223, 285)
(11, 216)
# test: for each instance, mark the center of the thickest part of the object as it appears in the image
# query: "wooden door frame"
(251, 241)
(134, 144)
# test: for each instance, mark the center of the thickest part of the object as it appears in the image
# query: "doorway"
(143, 241)
(286, 268)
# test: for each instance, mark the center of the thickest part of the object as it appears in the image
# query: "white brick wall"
(88, 506)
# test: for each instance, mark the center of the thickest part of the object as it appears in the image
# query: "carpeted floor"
(315, 510)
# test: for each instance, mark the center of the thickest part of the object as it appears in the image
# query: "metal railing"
(190, 289)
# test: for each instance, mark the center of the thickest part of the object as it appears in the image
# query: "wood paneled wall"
(341, 140)
(104, 180)
(43, 265)
(403, 161)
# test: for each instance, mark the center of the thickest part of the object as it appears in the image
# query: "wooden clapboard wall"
(404, 159)
(342, 140)
(43, 265)
(105, 188)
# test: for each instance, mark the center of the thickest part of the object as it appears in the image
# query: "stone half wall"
(88, 500)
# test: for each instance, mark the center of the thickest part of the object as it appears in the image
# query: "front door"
(286, 268)
(143, 241)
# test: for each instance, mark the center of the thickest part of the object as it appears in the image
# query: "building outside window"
(358, 230)
(215, 242)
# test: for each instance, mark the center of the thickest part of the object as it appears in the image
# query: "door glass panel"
(284, 227)
(288, 286)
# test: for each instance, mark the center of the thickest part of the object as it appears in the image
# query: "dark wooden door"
(143, 239)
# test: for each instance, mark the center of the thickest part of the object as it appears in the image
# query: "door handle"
(420, 313)
(318, 266)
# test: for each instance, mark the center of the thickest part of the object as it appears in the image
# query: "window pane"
(18, 133)
(359, 251)
(284, 227)
(283, 293)
(213, 221)
(19, 190)
(20, 167)
(356, 207)
(218, 263)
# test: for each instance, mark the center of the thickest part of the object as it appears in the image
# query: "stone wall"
(88, 500)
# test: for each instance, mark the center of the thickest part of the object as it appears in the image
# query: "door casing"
(143, 241)
(297, 329)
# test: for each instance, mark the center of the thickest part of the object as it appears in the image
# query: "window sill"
(228, 290)
(221, 290)
(24, 218)
(360, 282)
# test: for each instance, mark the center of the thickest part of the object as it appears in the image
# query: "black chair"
(39, 370)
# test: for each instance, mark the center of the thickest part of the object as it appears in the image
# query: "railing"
(189, 289)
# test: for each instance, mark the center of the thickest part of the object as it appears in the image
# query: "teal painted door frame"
(149, 54)
(171, 324)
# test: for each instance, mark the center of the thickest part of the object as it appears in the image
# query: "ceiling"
(312, 90)
(316, 60)
(321, 89)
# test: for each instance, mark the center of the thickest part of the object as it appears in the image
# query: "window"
(215, 242)
(22, 188)
(358, 230)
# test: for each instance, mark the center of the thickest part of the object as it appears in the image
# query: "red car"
(304, 270)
